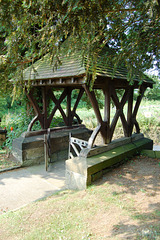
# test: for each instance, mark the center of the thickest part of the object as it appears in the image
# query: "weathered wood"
(68, 109)
(35, 106)
(73, 112)
(46, 151)
(93, 136)
(107, 105)
(31, 123)
(119, 111)
(45, 105)
(136, 125)
(58, 106)
(129, 112)
(103, 128)
(139, 99)
(93, 100)
(57, 103)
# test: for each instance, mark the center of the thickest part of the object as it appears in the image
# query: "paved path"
(24, 185)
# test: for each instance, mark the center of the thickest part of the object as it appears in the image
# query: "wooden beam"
(80, 94)
(93, 100)
(139, 99)
(107, 105)
(31, 123)
(68, 109)
(103, 125)
(45, 105)
(35, 107)
(119, 111)
(58, 106)
(93, 136)
(129, 111)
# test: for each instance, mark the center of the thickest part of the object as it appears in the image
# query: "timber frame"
(105, 125)
(71, 75)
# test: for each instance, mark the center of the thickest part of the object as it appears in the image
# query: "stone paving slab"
(25, 185)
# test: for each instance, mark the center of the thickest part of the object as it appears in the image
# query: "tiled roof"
(72, 66)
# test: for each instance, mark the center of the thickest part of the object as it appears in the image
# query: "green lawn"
(123, 205)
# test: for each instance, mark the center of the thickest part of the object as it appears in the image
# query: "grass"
(104, 208)
(67, 215)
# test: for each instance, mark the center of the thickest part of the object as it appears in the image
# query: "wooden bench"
(81, 171)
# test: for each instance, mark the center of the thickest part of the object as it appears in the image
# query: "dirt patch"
(136, 185)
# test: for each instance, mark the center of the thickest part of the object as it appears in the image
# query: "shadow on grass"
(140, 174)
(147, 226)
(138, 180)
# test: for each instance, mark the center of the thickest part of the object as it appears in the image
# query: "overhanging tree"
(130, 30)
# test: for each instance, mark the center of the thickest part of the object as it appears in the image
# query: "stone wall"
(29, 150)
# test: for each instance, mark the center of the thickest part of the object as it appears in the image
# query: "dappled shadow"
(136, 183)
(55, 170)
(22, 186)
(136, 175)
(141, 226)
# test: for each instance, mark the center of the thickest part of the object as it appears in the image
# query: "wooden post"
(45, 105)
(46, 152)
(119, 111)
(129, 112)
(107, 103)
(134, 114)
(94, 103)
(73, 113)
(68, 110)
(102, 126)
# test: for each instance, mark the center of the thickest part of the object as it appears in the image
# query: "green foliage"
(154, 93)
(3, 104)
(33, 28)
